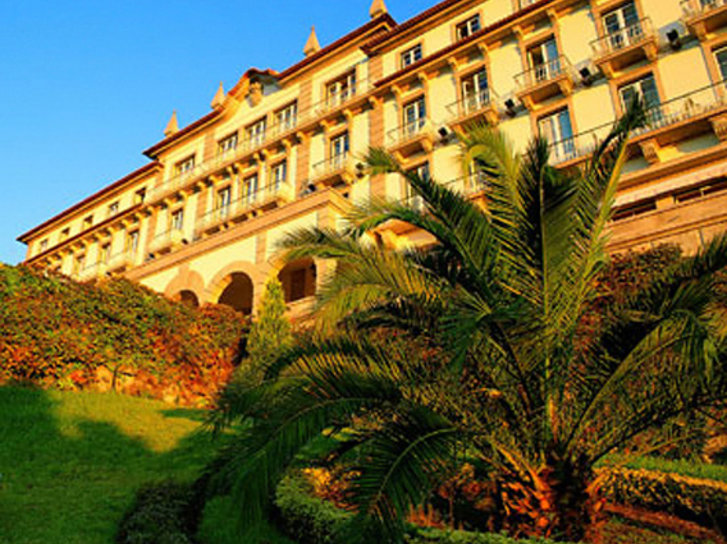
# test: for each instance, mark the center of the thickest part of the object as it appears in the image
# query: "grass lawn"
(70, 463)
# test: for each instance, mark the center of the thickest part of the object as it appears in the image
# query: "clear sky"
(87, 85)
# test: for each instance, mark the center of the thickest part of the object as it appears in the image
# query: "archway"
(298, 279)
(188, 298)
(238, 293)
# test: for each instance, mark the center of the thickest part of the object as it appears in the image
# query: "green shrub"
(314, 521)
(702, 501)
(159, 515)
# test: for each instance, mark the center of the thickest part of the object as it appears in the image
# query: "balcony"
(625, 47)
(475, 107)
(124, 260)
(412, 137)
(174, 185)
(702, 17)
(167, 241)
(269, 197)
(335, 103)
(679, 119)
(336, 170)
(544, 81)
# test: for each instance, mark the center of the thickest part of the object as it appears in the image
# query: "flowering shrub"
(112, 335)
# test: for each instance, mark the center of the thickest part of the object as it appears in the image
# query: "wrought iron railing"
(337, 163)
(681, 108)
(623, 37)
(409, 131)
(473, 103)
(693, 8)
(250, 201)
(542, 73)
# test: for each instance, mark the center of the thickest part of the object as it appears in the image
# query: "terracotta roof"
(385, 20)
(371, 46)
(456, 45)
(109, 188)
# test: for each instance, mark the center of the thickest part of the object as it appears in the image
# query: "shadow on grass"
(70, 464)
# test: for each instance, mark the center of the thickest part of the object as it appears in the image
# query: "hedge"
(693, 499)
(312, 520)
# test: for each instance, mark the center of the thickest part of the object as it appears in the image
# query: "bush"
(701, 501)
(312, 520)
(112, 334)
(159, 515)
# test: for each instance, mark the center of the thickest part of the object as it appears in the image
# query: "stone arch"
(238, 285)
(188, 298)
(186, 281)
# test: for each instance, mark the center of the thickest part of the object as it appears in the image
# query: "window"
(475, 91)
(720, 56)
(227, 145)
(415, 114)
(712, 186)
(645, 89)
(412, 198)
(43, 245)
(178, 219)
(622, 26)
(132, 241)
(280, 172)
(256, 133)
(105, 255)
(139, 196)
(468, 27)
(65, 233)
(410, 56)
(286, 118)
(557, 129)
(79, 264)
(633, 210)
(224, 198)
(250, 189)
(113, 208)
(88, 222)
(341, 90)
(184, 166)
(339, 149)
(544, 61)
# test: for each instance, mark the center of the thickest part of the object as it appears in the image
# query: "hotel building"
(281, 150)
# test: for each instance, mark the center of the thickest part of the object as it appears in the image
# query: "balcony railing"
(681, 108)
(472, 104)
(336, 100)
(338, 166)
(694, 8)
(122, 260)
(166, 240)
(543, 73)
(282, 191)
(625, 37)
(410, 131)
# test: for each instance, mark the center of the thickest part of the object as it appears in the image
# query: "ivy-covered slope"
(112, 335)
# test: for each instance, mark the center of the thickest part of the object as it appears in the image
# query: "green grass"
(71, 462)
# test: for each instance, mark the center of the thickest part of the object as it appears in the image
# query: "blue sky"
(85, 86)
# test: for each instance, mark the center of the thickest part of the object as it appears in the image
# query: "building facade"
(281, 150)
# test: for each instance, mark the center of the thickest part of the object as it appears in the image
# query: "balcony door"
(224, 198)
(622, 25)
(645, 89)
(412, 198)
(721, 57)
(557, 129)
(339, 149)
(475, 91)
(415, 113)
(250, 188)
(544, 60)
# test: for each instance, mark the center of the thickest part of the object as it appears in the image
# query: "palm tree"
(501, 371)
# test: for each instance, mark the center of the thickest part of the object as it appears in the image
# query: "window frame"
(409, 56)
(468, 27)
